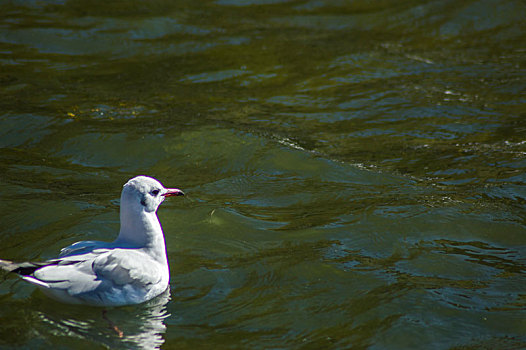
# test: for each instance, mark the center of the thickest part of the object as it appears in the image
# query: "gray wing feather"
(98, 271)
(83, 247)
(74, 275)
(123, 266)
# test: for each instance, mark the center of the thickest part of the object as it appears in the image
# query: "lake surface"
(354, 170)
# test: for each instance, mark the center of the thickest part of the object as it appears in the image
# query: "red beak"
(172, 192)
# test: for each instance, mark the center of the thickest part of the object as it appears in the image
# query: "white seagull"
(130, 270)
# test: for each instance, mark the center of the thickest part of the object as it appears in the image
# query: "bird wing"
(98, 272)
(75, 276)
(127, 266)
(83, 247)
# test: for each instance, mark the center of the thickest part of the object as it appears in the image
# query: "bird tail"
(23, 269)
(8, 266)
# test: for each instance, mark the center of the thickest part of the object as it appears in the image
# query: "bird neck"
(142, 230)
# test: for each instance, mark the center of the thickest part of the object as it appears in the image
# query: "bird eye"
(155, 192)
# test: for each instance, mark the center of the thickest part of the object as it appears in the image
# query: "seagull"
(130, 270)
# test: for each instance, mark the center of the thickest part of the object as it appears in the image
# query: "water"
(354, 170)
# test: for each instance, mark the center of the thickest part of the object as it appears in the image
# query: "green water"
(354, 170)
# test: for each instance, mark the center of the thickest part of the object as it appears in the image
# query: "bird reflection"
(142, 326)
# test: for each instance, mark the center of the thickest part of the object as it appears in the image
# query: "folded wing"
(103, 275)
